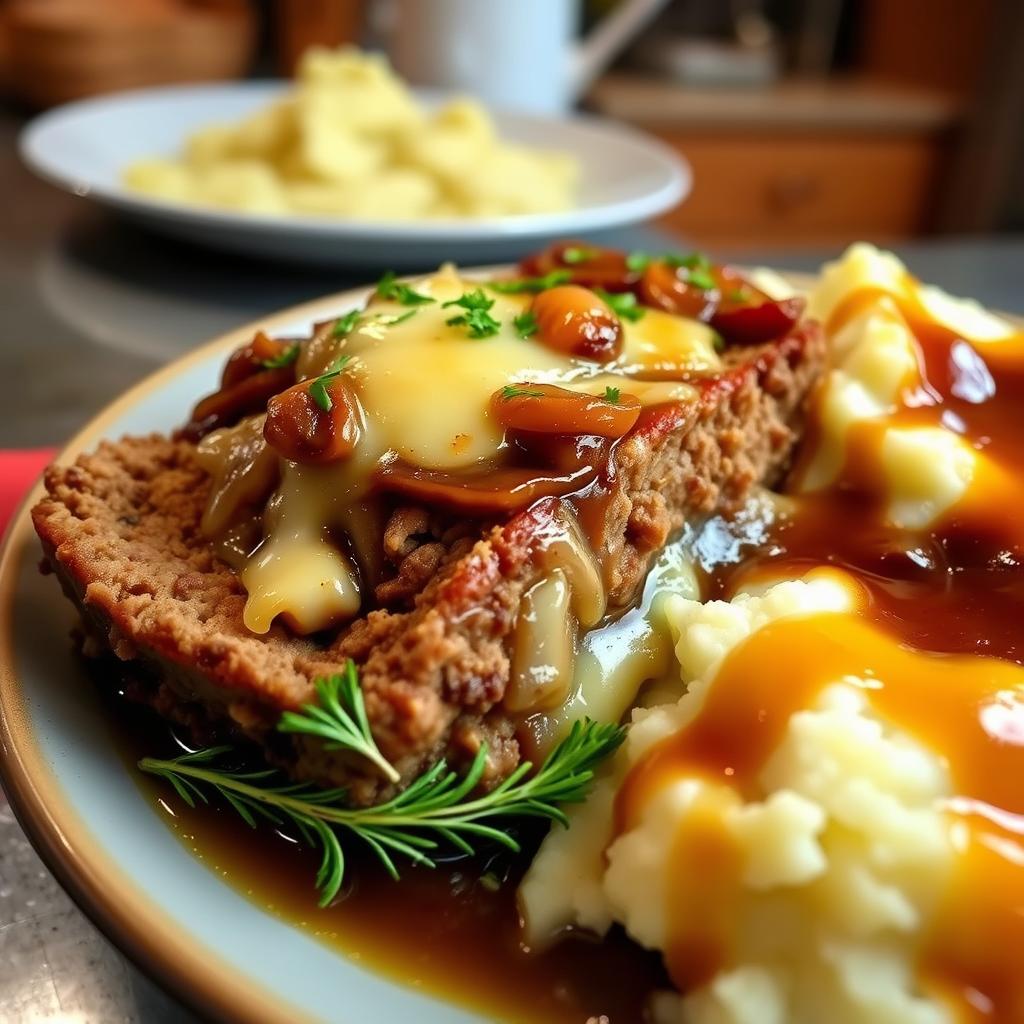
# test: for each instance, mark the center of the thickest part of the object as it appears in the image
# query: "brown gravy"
(452, 932)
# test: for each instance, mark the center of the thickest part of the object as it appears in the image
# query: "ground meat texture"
(120, 528)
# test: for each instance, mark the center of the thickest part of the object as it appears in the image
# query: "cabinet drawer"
(802, 190)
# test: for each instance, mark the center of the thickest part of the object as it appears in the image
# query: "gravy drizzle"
(934, 600)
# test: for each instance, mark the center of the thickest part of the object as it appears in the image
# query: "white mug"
(510, 54)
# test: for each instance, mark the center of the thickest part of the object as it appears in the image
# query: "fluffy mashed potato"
(350, 141)
(924, 471)
(811, 882)
(840, 848)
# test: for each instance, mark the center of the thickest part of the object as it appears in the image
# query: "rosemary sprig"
(439, 807)
(339, 717)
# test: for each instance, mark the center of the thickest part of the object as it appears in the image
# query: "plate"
(83, 147)
(93, 825)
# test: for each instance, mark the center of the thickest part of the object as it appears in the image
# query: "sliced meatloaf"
(120, 527)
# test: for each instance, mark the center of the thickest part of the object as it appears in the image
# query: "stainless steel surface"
(89, 306)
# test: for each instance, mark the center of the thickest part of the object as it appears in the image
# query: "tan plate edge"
(124, 912)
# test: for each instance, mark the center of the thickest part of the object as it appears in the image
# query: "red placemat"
(18, 471)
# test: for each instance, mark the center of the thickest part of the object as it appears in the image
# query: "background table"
(91, 305)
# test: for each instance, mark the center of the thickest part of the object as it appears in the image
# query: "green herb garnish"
(531, 284)
(390, 321)
(514, 391)
(525, 324)
(701, 278)
(578, 254)
(438, 808)
(639, 261)
(284, 358)
(318, 387)
(623, 304)
(477, 317)
(389, 287)
(347, 323)
(717, 342)
(612, 395)
(339, 718)
(738, 295)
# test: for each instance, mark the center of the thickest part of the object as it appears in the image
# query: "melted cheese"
(425, 389)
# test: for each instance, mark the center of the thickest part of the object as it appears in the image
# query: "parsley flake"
(390, 321)
(738, 295)
(318, 387)
(638, 261)
(347, 323)
(578, 254)
(623, 304)
(701, 279)
(284, 358)
(612, 395)
(389, 287)
(531, 284)
(515, 391)
(717, 342)
(525, 324)
(477, 318)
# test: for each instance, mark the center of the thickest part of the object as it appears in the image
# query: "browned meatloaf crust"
(121, 529)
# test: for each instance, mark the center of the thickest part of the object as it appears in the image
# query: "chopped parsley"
(318, 386)
(347, 323)
(390, 321)
(717, 342)
(738, 295)
(531, 284)
(477, 318)
(701, 278)
(578, 254)
(612, 395)
(525, 324)
(623, 304)
(389, 287)
(638, 261)
(284, 358)
(515, 391)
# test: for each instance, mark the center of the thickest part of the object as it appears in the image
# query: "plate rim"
(195, 975)
(678, 184)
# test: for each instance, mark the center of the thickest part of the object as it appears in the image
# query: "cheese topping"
(424, 388)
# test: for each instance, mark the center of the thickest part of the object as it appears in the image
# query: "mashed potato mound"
(842, 847)
(351, 141)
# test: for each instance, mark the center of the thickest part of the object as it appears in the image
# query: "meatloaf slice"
(120, 527)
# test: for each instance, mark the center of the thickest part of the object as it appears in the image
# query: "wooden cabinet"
(800, 162)
(780, 190)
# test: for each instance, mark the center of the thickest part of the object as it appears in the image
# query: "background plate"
(83, 147)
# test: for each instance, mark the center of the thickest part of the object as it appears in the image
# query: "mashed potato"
(840, 849)
(924, 471)
(350, 141)
(796, 826)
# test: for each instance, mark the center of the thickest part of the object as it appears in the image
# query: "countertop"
(90, 305)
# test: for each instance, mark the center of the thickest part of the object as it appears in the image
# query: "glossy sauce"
(452, 932)
(933, 601)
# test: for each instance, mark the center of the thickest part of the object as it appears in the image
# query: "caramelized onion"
(754, 325)
(598, 267)
(301, 430)
(548, 409)
(576, 321)
(501, 490)
(543, 647)
(252, 358)
(245, 398)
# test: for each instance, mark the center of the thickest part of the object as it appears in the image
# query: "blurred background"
(807, 122)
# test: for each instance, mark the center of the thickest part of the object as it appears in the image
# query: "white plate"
(83, 147)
